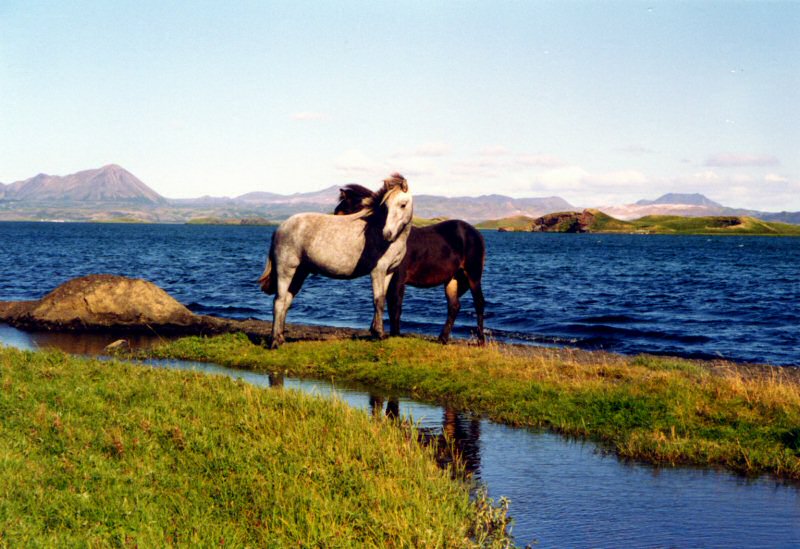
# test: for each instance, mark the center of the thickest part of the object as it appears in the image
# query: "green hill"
(595, 221)
(514, 223)
(672, 224)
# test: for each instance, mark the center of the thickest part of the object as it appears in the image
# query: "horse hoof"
(274, 344)
(444, 339)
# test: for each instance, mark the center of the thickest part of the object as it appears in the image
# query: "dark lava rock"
(565, 222)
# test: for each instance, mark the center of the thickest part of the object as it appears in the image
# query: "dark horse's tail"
(269, 279)
(474, 253)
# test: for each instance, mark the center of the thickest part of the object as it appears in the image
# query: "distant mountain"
(325, 196)
(692, 205)
(107, 184)
(470, 208)
(480, 208)
(694, 199)
(112, 193)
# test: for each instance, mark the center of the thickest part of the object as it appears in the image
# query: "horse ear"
(342, 194)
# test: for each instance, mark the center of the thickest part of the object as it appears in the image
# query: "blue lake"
(694, 296)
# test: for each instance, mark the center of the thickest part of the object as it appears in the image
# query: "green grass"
(604, 223)
(742, 225)
(517, 222)
(111, 454)
(661, 410)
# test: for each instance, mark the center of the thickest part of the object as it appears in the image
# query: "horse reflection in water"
(459, 438)
(450, 253)
(369, 242)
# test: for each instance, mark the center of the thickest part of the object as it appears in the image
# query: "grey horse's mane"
(394, 184)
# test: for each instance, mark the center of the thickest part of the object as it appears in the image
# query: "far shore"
(653, 225)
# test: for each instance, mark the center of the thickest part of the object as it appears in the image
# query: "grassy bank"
(661, 410)
(106, 453)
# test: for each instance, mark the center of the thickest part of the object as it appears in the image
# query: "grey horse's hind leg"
(453, 306)
(380, 285)
(290, 280)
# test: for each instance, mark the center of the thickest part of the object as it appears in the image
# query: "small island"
(595, 221)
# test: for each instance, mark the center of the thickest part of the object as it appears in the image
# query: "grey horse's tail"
(269, 279)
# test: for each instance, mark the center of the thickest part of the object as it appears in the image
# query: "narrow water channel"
(563, 493)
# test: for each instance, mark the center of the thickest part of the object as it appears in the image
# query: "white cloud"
(572, 177)
(539, 160)
(706, 176)
(359, 166)
(427, 150)
(775, 178)
(636, 150)
(306, 116)
(622, 178)
(355, 162)
(481, 167)
(494, 150)
(432, 149)
(414, 167)
(736, 160)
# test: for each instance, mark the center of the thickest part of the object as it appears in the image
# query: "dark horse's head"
(353, 198)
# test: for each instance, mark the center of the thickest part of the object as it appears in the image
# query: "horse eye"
(403, 205)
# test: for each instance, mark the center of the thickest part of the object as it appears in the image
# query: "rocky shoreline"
(127, 308)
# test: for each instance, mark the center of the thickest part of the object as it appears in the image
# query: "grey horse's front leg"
(380, 284)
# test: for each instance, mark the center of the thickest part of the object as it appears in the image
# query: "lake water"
(693, 296)
(564, 493)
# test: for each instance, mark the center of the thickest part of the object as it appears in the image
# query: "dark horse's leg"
(472, 274)
(394, 299)
(465, 282)
(453, 306)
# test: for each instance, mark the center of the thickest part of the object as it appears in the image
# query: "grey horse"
(372, 241)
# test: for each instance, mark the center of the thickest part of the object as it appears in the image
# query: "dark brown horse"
(450, 253)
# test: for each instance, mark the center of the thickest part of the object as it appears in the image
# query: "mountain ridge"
(113, 192)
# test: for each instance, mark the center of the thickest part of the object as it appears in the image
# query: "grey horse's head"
(395, 198)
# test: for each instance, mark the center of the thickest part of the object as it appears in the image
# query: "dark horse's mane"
(354, 198)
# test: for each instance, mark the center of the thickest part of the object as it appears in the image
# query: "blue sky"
(597, 102)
